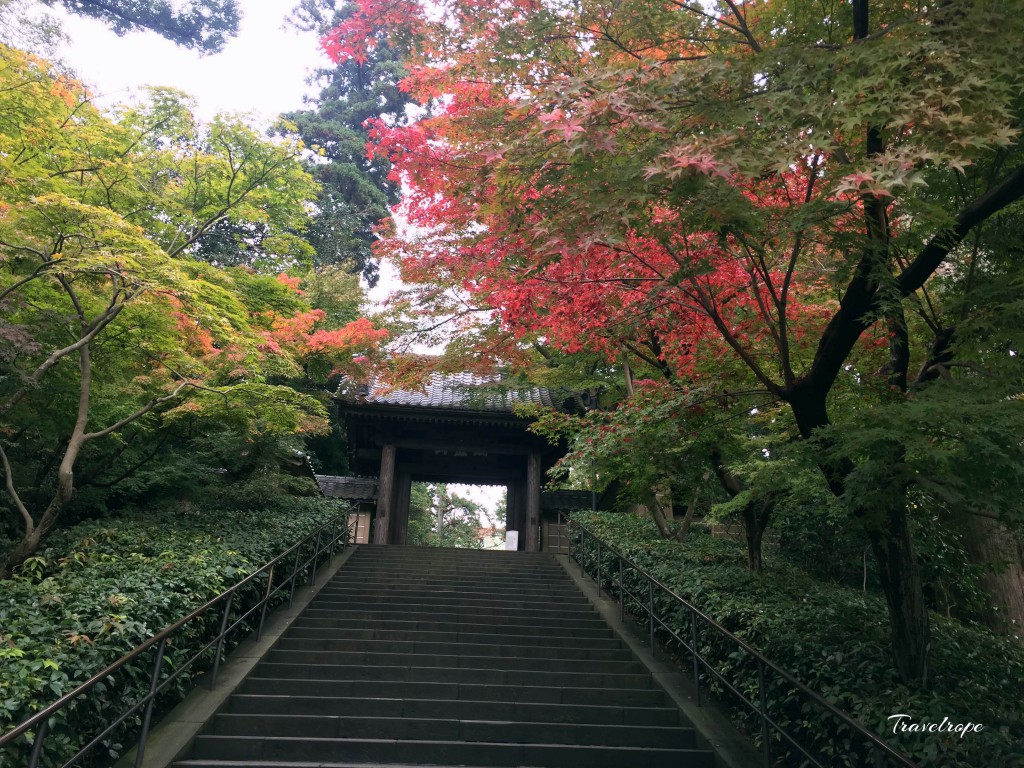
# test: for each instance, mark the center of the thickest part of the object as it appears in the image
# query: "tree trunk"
(1001, 552)
(756, 514)
(891, 547)
(28, 545)
(755, 520)
(691, 510)
(657, 509)
(34, 535)
(901, 584)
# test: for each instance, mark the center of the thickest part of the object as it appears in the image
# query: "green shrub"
(835, 640)
(103, 587)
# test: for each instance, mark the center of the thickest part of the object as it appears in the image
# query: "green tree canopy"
(205, 25)
(355, 191)
(110, 325)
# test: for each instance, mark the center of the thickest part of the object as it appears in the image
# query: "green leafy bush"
(103, 587)
(831, 638)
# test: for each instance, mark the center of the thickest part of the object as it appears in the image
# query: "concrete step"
(373, 615)
(448, 656)
(357, 566)
(408, 551)
(546, 568)
(443, 689)
(594, 714)
(343, 639)
(509, 598)
(435, 602)
(412, 657)
(440, 728)
(476, 670)
(583, 628)
(392, 642)
(436, 752)
(499, 588)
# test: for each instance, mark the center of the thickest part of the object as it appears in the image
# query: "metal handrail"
(339, 532)
(882, 753)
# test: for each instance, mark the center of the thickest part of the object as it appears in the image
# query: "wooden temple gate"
(457, 430)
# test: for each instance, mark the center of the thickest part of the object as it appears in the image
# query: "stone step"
(443, 689)
(543, 569)
(441, 728)
(583, 628)
(435, 604)
(469, 587)
(479, 672)
(482, 568)
(594, 714)
(412, 657)
(510, 598)
(448, 656)
(402, 553)
(434, 752)
(342, 639)
(374, 616)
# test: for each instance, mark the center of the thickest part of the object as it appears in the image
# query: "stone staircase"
(413, 656)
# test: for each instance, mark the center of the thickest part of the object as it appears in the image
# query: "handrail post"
(650, 608)
(220, 640)
(695, 652)
(598, 567)
(266, 602)
(148, 716)
(334, 534)
(316, 556)
(762, 693)
(622, 594)
(37, 744)
(583, 550)
(295, 574)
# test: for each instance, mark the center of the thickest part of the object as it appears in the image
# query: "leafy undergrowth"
(103, 587)
(835, 641)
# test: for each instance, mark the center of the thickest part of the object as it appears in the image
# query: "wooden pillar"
(400, 522)
(509, 514)
(532, 523)
(385, 496)
(515, 512)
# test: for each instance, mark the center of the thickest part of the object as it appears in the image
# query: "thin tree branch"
(13, 493)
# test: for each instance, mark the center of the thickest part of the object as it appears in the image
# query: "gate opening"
(457, 515)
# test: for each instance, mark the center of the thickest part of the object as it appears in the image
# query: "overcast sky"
(262, 70)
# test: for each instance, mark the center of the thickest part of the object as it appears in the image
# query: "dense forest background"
(768, 253)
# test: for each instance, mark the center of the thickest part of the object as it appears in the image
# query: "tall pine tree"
(205, 25)
(355, 190)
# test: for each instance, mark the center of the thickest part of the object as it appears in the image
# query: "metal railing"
(858, 744)
(305, 556)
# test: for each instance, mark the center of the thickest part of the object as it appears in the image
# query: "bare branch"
(140, 412)
(55, 357)
(13, 493)
(29, 278)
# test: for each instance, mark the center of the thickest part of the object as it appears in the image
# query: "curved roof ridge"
(462, 391)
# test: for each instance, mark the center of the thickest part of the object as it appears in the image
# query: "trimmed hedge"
(833, 639)
(103, 587)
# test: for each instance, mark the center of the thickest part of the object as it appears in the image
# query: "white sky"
(261, 70)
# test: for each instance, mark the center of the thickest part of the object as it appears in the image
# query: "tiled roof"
(453, 391)
(355, 488)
